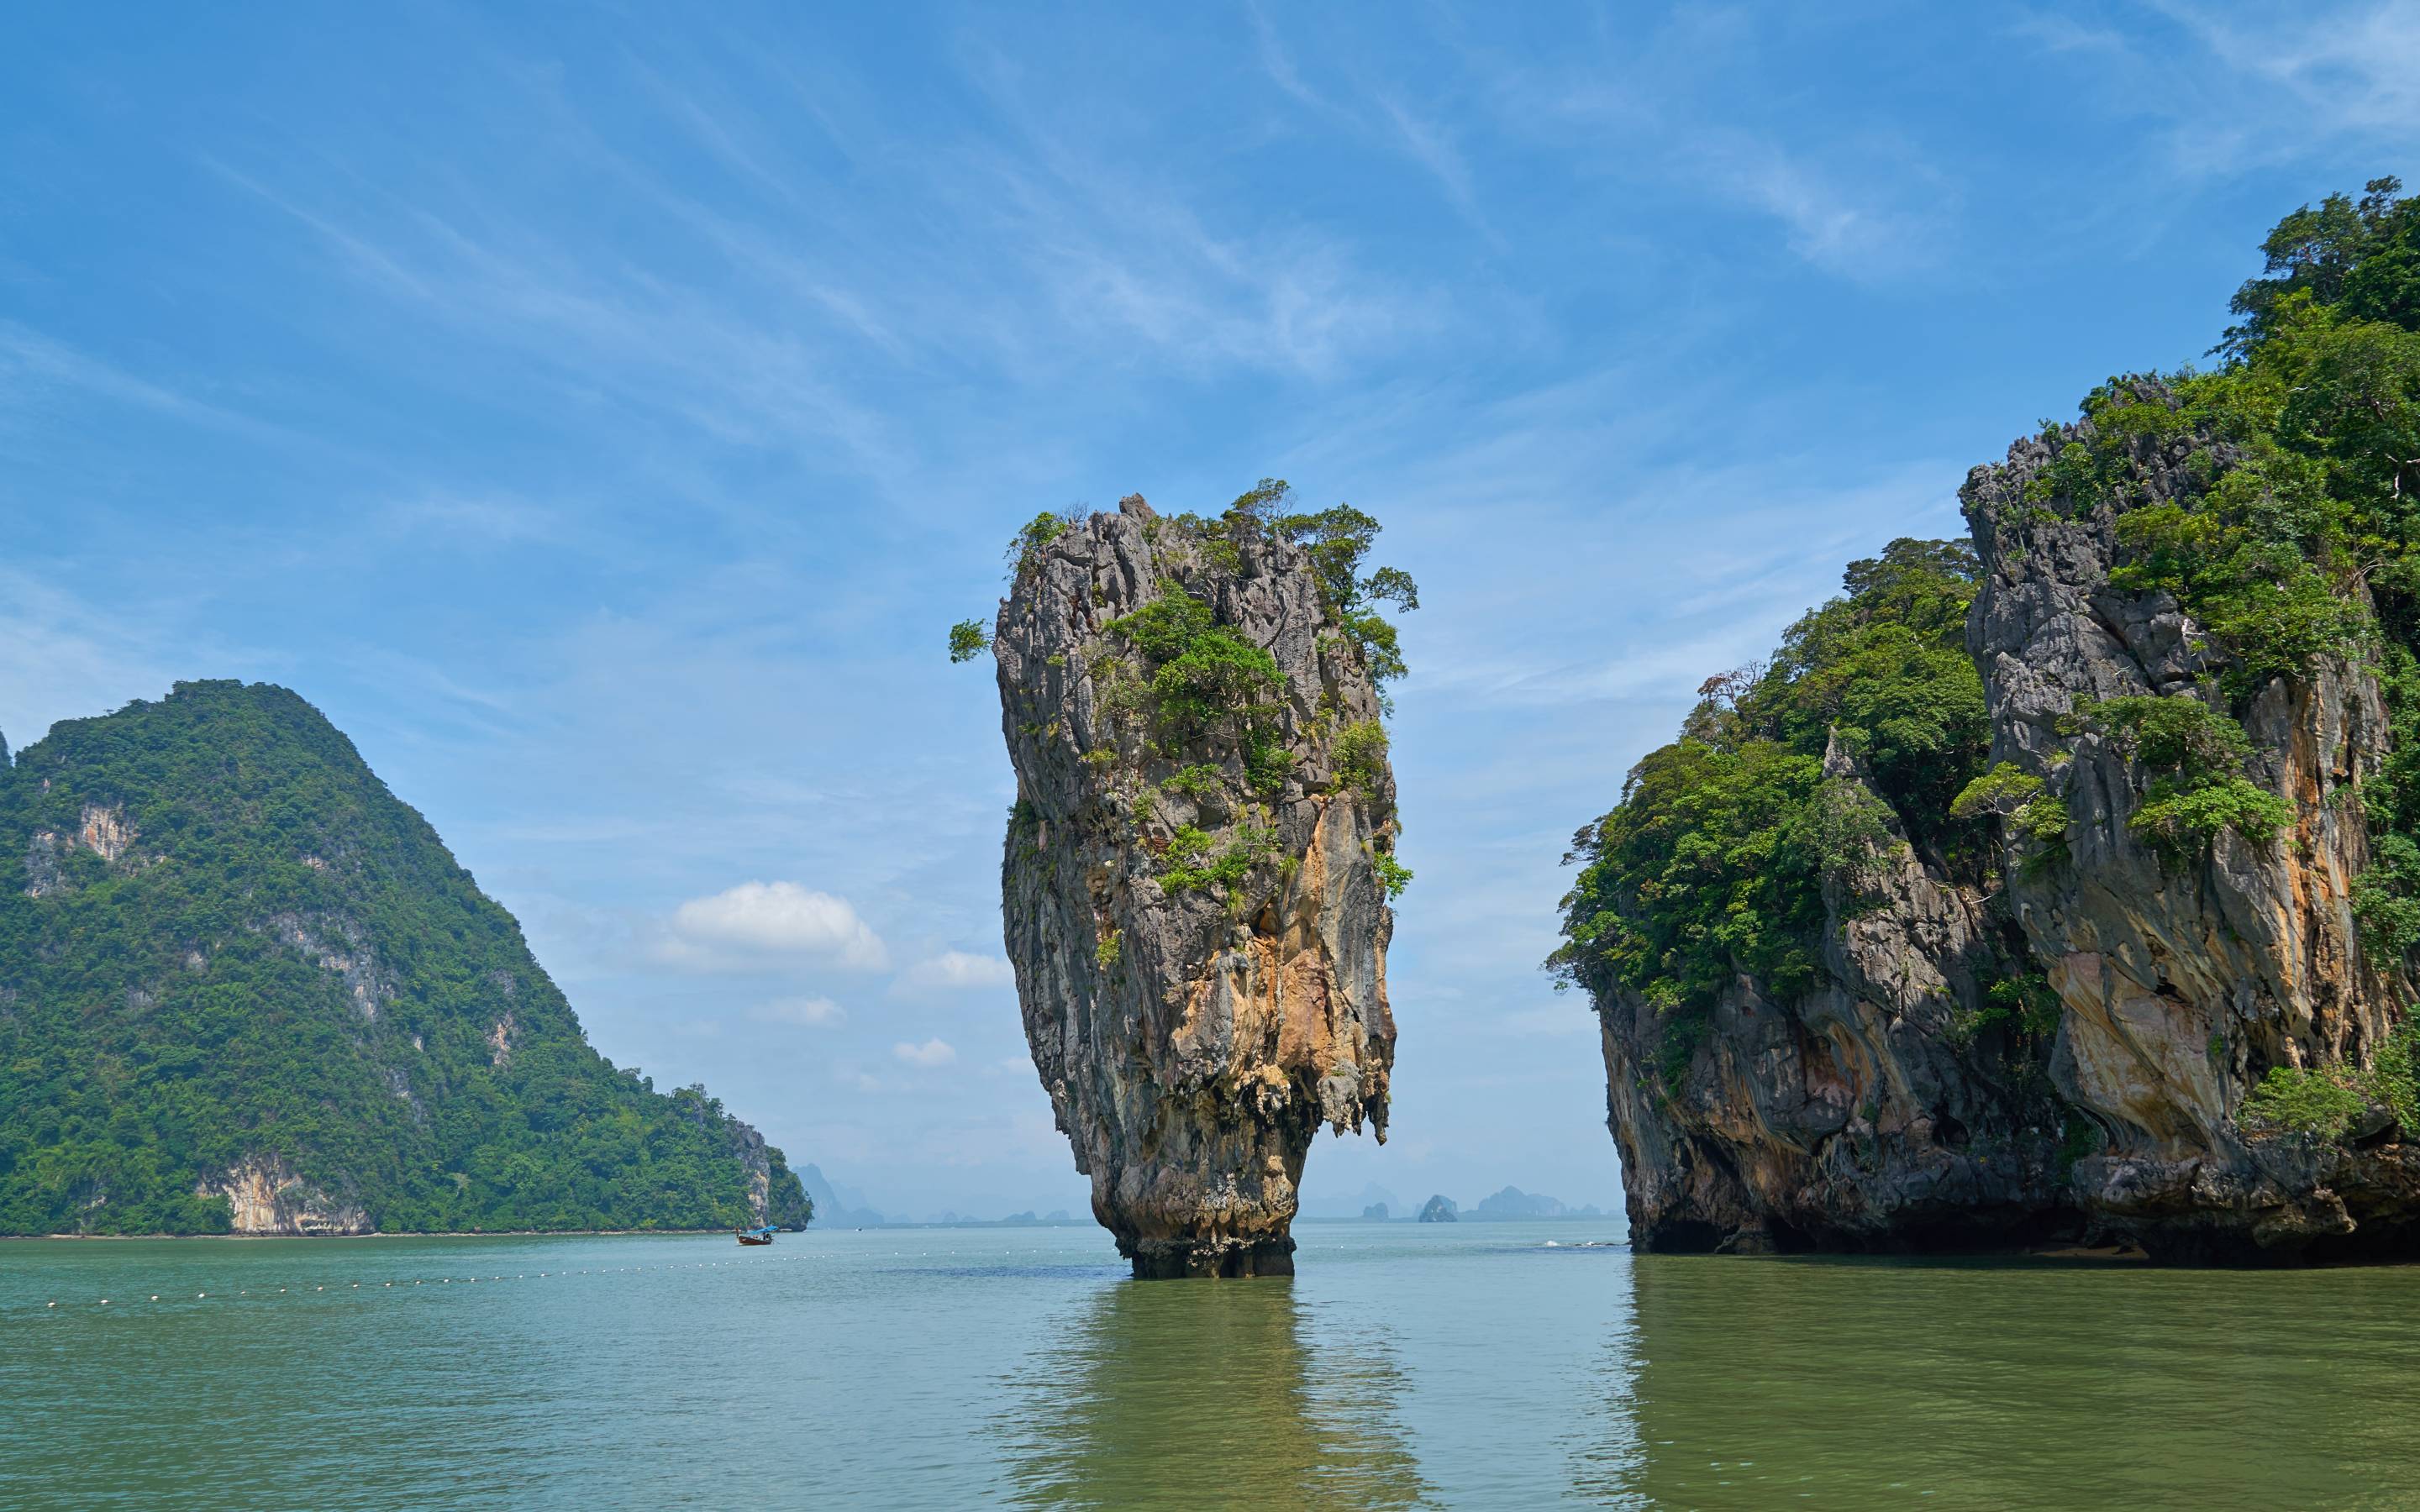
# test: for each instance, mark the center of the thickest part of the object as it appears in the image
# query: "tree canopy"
(223, 939)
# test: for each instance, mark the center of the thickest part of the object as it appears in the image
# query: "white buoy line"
(52, 1304)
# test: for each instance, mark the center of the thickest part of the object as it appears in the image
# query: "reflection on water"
(1605, 1457)
(1195, 1395)
(1867, 1384)
(1475, 1366)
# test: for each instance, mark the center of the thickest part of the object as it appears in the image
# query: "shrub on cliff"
(2293, 537)
(1203, 675)
(1714, 862)
(1189, 685)
(2326, 1102)
(2199, 755)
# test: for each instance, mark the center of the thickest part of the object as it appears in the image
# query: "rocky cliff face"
(2059, 1047)
(2183, 980)
(1193, 878)
(264, 1197)
(1871, 1113)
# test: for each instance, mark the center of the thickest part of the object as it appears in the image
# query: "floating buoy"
(50, 1305)
(200, 1294)
(104, 1302)
(155, 1296)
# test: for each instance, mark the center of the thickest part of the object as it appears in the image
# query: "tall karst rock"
(2064, 885)
(1199, 863)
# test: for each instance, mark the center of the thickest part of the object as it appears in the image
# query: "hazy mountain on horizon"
(837, 1206)
(1351, 1206)
(1511, 1203)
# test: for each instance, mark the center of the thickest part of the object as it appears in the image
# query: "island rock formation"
(1195, 877)
(1900, 1103)
(246, 989)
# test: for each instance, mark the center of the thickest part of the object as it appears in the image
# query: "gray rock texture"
(1193, 1038)
(1869, 1113)
(1866, 1114)
(2182, 984)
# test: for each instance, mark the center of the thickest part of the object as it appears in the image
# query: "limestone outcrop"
(1869, 1113)
(1196, 872)
(2183, 981)
(1894, 1105)
(265, 1197)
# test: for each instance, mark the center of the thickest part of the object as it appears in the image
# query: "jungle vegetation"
(224, 940)
(2291, 535)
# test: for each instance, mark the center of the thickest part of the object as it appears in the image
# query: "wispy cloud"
(2235, 90)
(1125, 258)
(1855, 234)
(2065, 33)
(34, 367)
(1432, 147)
(2355, 68)
(1275, 60)
(465, 521)
(1861, 201)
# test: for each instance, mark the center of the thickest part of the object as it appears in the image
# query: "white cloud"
(748, 925)
(958, 971)
(928, 1054)
(811, 1011)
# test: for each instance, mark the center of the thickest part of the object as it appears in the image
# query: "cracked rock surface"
(1866, 1114)
(1199, 945)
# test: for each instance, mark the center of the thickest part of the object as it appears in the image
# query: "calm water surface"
(1407, 1366)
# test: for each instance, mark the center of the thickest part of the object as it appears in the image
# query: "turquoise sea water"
(1406, 1365)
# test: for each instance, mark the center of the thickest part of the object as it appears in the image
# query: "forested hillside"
(242, 984)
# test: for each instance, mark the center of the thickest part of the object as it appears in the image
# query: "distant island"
(837, 1206)
(1511, 1203)
(245, 989)
(1375, 1204)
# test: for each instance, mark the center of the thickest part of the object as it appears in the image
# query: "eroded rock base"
(1212, 1259)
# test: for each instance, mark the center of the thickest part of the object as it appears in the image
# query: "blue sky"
(600, 412)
